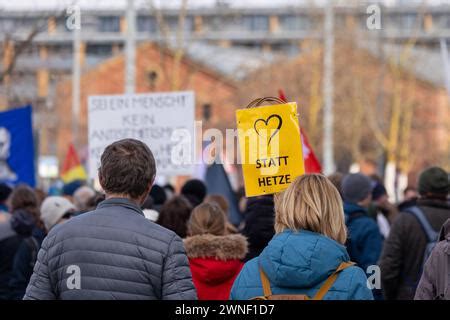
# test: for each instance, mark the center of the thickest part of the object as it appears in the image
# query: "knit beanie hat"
(53, 209)
(433, 180)
(70, 188)
(356, 187)
(378, 191)
(195, 191)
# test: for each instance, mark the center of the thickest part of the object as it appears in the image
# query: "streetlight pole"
(328, 90)
(446, 63)
(130, 48)
(76, 81)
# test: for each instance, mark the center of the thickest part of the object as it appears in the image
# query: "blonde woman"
(307, 249)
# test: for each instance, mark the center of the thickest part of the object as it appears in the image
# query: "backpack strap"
(322, 291)
(265, 283)
(430, 233)
(331, 279)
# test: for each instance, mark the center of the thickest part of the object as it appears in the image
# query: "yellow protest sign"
(270, 146)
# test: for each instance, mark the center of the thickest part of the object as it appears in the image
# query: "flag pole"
(446, 63)
(130, 48)
(76, 82)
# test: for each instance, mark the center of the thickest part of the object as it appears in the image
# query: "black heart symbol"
(266, 122)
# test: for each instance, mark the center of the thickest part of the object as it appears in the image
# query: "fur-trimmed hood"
(229, 247)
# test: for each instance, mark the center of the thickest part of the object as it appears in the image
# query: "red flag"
(281, 95)
(312, 165)
(72, 168)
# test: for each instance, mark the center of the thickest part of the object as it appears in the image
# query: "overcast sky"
(105, 4)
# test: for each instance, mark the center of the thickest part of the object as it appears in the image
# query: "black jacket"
(259, 229)
(13, 230)
(23, 263)
(401, 261)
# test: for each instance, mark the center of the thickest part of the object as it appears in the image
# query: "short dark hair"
(195, 191)
(158, 195)
(24, 198)
(127, 167)
(175, 214)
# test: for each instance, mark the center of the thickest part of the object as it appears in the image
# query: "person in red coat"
(215, 257)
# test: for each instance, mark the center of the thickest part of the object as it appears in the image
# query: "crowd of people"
(322, 238)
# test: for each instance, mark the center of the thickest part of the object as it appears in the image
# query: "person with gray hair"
(81, 198)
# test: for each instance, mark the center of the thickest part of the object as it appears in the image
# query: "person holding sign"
(307, 248)
(270, 145)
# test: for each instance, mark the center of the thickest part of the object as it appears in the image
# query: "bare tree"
(16, 42)
(178, 47)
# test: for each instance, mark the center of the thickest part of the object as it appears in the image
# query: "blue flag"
(217, 183)
(16, 147)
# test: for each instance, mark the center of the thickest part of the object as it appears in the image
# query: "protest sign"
(17, 147)
(164, 121)
(270, 146)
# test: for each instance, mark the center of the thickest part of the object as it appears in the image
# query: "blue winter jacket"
(299, 263)
(365, 240)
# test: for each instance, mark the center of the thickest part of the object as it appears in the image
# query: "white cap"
(151, 214)
(53, 209)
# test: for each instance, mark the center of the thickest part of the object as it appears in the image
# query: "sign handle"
(259, 101)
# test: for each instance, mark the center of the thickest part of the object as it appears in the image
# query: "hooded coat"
(299, 263)
(215, 262)
(365, 241)
(24, 262)
(13, 230)
(435, 281)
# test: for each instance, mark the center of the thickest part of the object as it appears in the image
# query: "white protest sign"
(164, 121)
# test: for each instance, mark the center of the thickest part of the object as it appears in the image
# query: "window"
(109, 24)
(206, 111)
(172, 23)
(99, 50)
(64, 50)
(445, 21)
(146, 24)
(7, 24)
(409, 21)
(152, 77)
(295, 22)
(215, 23)
(256, 23)
(404, 21)
(24, 24)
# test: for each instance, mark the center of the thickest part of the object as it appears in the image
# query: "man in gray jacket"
(114, 252)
